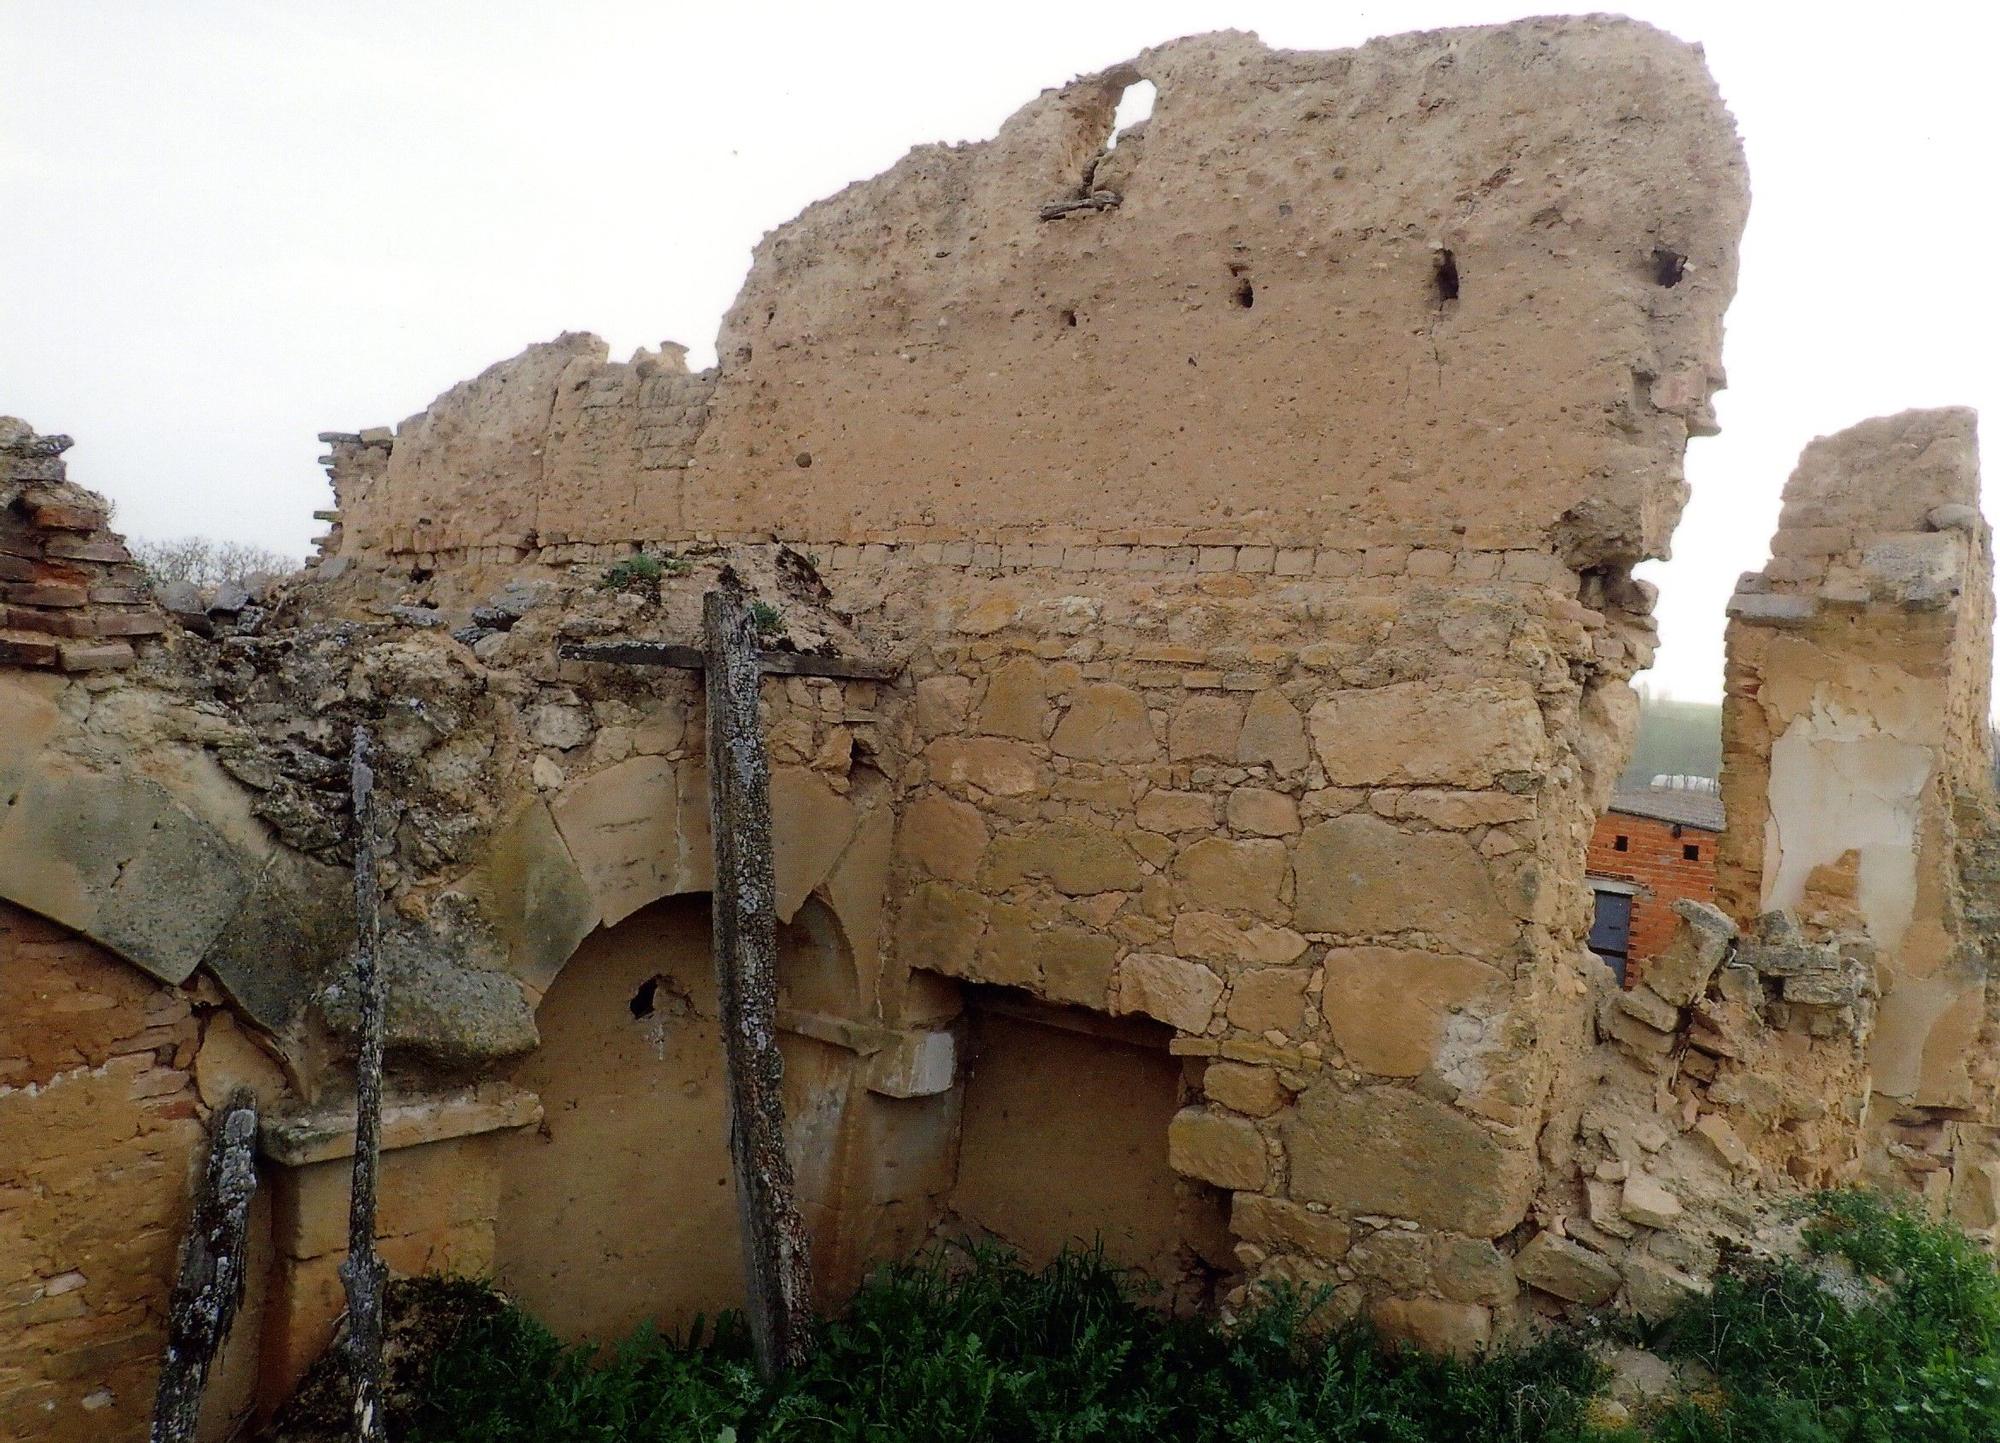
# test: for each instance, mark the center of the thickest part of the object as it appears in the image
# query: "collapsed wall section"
(1858, 772)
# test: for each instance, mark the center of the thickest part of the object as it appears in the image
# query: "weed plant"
(1887, 1330)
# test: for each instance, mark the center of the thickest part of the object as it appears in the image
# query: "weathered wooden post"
(777, 1267)
(210, 1286)
(362, 1274)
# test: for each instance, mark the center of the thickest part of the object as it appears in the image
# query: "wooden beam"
(776, 1259)
(691, 658)
(210, 1286)
(362, 1273)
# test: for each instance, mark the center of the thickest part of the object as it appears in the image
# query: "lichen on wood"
(210, 1286)
(777, 1263)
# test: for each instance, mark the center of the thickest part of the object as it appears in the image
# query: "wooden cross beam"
(776, 1261)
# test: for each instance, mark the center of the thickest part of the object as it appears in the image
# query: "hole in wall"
(1135, 107)
(1621, 844)
(1069, 318)
(1668, 267)
(1691, 852)
(643, 1000)
(659, 997)
(1245, 294)
(1444, 276)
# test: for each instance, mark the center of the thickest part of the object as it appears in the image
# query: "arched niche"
(619, 1210)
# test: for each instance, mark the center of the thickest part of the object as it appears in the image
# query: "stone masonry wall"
(1256, 544)
(1857, 771)
(1250, 510)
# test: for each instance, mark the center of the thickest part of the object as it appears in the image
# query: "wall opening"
(1135, 107)
(1064, 1143)
(1444, 277)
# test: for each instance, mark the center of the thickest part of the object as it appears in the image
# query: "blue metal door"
(1611, 930)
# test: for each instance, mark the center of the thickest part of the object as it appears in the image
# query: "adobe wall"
(104, 1073)
(1856, 746)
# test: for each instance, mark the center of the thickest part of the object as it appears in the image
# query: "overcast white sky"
(227, 225)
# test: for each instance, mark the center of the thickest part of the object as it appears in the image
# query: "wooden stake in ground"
(210, 1286)
(362, 1274)
(777, 1267)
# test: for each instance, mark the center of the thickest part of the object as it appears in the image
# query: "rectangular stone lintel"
(325, 1133)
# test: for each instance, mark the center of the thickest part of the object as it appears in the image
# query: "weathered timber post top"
(777, 1263)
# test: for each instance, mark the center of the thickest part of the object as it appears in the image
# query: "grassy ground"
(1889, 1329)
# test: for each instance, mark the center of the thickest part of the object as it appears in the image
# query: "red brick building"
(1654, 845)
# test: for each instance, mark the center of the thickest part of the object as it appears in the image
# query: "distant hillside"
(1675, 737)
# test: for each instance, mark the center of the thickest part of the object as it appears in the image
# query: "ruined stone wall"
(74, 600)
(1858, 768)
(1249, 509)
(1256, 543)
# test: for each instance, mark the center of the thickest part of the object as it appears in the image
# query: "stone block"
(1218, 874)
(1107, 723)
(1268, 999)
(1361, 876)
(1169, 811)
(1076, 858)
(1701, 941)
(1394, 1152)
(1434, 1325)
(1179, 993)
(1216, 1148)
(942, 838)
(1567, 1270)
(1240, 1087)
(1262, 813)
(1387, 1006)
(1472, 1270)
(1273, 734)
(1001, 768)
(1648, 1202)
(1212, 937)
(1423, 734)
(939, 928)
(1206, 726)
(1274, 1223)
(1649, 1007)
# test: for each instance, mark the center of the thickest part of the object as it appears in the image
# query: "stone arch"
(164, 865)
(631, 834)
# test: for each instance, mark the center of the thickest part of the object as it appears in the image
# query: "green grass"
(1907, 1347)
(977, 1347)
